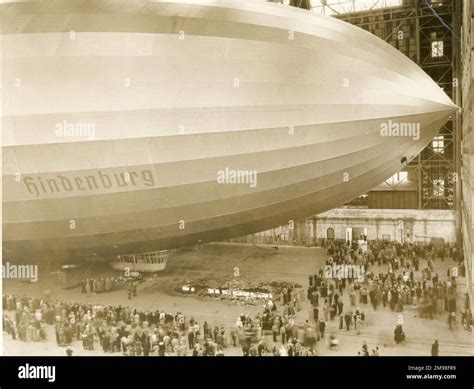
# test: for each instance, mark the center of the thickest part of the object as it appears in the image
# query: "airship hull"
(135, 126)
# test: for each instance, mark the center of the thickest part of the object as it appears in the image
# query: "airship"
(131, 126)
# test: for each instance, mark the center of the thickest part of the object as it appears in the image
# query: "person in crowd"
(399, 335)
(435, 348)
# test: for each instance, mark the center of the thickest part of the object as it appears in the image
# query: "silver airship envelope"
(137, 125)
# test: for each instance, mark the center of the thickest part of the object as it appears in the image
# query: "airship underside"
(134, 126)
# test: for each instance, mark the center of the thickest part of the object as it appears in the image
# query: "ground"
(216, 263)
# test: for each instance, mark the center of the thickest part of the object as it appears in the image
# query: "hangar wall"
(467, 172)
(394, 224)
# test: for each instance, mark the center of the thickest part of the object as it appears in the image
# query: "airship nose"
(447, 102)
(435, 93)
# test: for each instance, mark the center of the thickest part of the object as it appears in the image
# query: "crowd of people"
(98, 285)
(335, 305)
(396, 288)
(113, 329)
(287, 337)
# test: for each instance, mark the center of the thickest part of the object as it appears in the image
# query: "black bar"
(224, 372)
